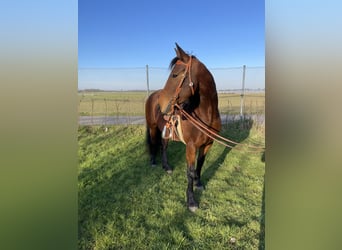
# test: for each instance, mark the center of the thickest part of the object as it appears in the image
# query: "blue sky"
(132, 33)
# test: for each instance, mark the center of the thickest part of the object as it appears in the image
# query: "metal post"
(147, 81)
(106, 112)
(242, 91)
(92, 111)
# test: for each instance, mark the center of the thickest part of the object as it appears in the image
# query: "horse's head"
(182, 83)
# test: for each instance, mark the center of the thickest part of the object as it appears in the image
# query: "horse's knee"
(191, 172)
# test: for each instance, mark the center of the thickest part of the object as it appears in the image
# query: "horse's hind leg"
(154, 139)
(203, 150)
(165, 163)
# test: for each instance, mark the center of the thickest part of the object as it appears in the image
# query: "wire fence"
(117, 95)
(143, 78)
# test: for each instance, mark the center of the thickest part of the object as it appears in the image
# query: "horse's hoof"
(200, 187)
(193, 208)
(169, 171)
(153, 165)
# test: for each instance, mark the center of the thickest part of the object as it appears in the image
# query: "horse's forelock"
(173, 62)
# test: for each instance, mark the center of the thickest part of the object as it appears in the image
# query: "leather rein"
(214, 135)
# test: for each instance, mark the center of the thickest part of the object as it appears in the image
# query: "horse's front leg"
(203, 150)
(191, 157)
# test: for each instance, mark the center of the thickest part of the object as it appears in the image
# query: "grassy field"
(124, 203)
(131, 103)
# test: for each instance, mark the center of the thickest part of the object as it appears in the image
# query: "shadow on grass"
(236, 130)
(121, 200)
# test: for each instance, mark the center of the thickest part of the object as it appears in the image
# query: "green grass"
(124, 203)
(132, 103)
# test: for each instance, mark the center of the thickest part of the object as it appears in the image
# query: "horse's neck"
(208, 105)
(207, 90)
(208, 96)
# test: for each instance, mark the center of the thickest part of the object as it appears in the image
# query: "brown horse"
(190, 87)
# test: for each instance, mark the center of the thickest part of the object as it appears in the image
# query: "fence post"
(92, 111)
(242, 91)
(147, 81)
(106, 115)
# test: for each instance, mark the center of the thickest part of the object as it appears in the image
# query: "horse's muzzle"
(168, 109)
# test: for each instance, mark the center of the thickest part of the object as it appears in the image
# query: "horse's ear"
(181, 54)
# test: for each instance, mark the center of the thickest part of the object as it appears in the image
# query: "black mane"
(174, 60)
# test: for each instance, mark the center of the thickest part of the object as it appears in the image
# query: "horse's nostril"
(167, 109)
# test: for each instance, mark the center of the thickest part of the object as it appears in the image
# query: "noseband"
(179, 87)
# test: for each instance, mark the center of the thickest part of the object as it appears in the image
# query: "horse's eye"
(174, 75)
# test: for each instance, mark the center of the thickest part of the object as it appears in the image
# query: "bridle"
(175, 97)
(187, 70)
(173, 120)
